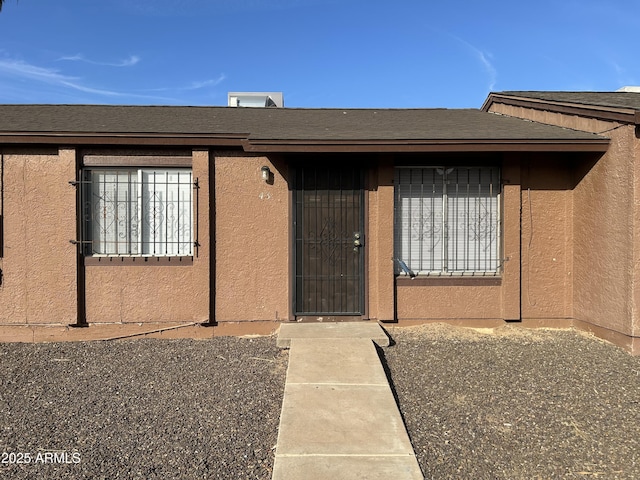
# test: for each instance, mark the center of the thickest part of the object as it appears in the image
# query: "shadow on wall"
(540, 171)
(556, 171)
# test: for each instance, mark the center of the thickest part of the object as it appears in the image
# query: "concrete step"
(369, 330)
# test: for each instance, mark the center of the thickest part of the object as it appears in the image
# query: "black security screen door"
(329, 239)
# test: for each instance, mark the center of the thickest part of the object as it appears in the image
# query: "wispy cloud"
(127, 62)
(25, 70)
(622, 75)
(483, 57)
(194, 85)
(21, 69)
(206, 83)
(19, 75)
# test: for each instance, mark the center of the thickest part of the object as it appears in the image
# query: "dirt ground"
(513, 403)
(478, 404)
(141, 409)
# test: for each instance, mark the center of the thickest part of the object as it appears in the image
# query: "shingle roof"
(398, 124)
(277, 125)
(626, 100)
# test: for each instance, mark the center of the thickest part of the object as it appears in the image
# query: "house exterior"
(202, 221)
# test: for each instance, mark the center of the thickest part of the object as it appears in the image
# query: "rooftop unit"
(256, 99)
(631, 88)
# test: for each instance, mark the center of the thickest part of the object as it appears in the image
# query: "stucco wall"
(38, 264)
(152, 293)
(604, 248)
(145, 294)
(379, 282)
(635, 320)
(252, 239)
(511, 291)
(547, 237)
(444, 302)
(604, 238)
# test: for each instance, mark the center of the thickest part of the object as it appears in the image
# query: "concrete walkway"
(339, 417)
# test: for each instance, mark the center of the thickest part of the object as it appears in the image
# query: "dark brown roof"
(625, 100)
(619, 106)
(263, 129)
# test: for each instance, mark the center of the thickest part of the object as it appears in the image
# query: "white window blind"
(447, 219)
(139, 211)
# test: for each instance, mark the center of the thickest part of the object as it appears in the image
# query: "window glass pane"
(114, 218)
(472, 222)
(166, 212)
(419, 210)
(447, 219)
(139, 212)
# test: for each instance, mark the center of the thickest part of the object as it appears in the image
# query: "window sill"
(449, 281)
(138, 261)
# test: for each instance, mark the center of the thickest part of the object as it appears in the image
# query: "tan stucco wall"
(511, 238)
(605, 249)
(635, 320)
(146, 294)
(547, 237)
(605, 240)
(449, 302)
(252, 253)
(379, 281)
(125, 293)
(38, 263)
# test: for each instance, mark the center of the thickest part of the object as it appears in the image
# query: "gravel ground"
(510, 404)
(141, 409)
(517, 404)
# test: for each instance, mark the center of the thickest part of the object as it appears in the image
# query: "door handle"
(357, 241)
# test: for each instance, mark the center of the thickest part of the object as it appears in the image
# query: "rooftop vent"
(629, 89)
(256, 99)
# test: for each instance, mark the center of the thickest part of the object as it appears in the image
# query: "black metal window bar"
(138, 212)
(447, 220)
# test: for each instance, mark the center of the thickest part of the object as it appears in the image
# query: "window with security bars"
(138, 212)
(447, 220)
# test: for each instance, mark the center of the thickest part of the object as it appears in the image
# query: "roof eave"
(306, 145)
(426, 146)
(155, 139)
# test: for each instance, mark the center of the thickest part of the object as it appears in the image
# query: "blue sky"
(319, 53)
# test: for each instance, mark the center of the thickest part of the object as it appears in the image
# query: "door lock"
(357, 241)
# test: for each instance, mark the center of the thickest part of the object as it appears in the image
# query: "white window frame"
(447, 220)
(138, 211)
